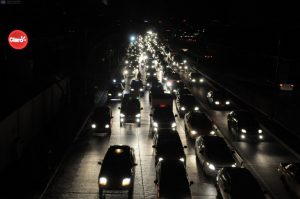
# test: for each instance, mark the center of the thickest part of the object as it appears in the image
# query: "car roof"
(236, 175)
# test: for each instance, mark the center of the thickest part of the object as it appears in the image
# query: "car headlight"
(126, 181)
(196, 108)
(217, 102)
(169, 84)
(227, 102)
(125, 72)
(123, 80)
(193, 132)
(154, 74)
(141, 89)
(182, 108)
(193, 80)
(102, 181)
(211, 166)
(243, 131)
(233, 165)
(119, 94)
(185, 67)
(155, 124)
(93, 126)
(114, 80)
(201, 80)
(212, 133)
(181, 159)
(260, 131)
(174, 91)
(165, 78)
(173, 125)
(107, 126)
(261, 137)
(243, 136)
(132, 89)
(148, 73)
(148, 84)
(138, 115)
(122, 115)
(109, 94)
(160, 159)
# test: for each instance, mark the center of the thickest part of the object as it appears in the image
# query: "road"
(77, 176)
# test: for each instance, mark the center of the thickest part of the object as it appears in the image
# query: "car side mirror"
(191, 182)
(142, 108)
(176, 115)
(155, 181)
(185, 147)
(112, 117)
(150, 115)
(153, 146)
(119, 107)
(100, 163)
(135, 164)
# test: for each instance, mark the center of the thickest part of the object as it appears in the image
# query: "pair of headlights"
(161, 159)
(213, 168)
(155, 124)
(125, 181)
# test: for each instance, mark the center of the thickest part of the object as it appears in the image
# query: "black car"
(151, 72)
(167, 145)
(115, 91)
(186, 103)
(172, 180)
(198, 123)
(218, 99)
(118, 79)
(162, 118)
(236, 183)
(174, 82)
(156, 91)
(151, 81)
(100, 120)
(130, 111)
(213, 154)
(244, 126)
(196, 78)
(117, 170)
(137, 87)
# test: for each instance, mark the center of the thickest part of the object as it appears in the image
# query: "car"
(117, 170)
(130, 111)
(156, 90)
(238, 183)
(151, 72)
(198, 123)
(290, 175)
(183, 91)
(167, 145)
(196, 78)
(217, 99)
(162, 118)
(100, 120)
(129, 72)
(171, 81)
(172, 180)
(244, 126)
(213, 153)
(186, 103)
(151, 81)
(137, 87)
(118, 79)
(115, 91)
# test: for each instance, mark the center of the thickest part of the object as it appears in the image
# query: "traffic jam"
(158, 87)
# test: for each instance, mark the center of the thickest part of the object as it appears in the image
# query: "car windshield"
(169, 141)
(217, 148)
(196, 75)
(245, 184)
(131, 106)
(117, 158)
(101, 114)
(201, 120)
(247, 120)
(164, 115)
(188, 99)
(115, 87)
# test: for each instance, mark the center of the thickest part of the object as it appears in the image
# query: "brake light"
(162, 105)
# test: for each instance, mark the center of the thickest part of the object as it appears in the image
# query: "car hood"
(221, 160)
(115, 172)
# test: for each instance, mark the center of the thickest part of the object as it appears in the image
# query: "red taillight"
(162, 105)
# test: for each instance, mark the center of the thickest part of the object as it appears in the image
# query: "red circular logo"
(18, 39)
